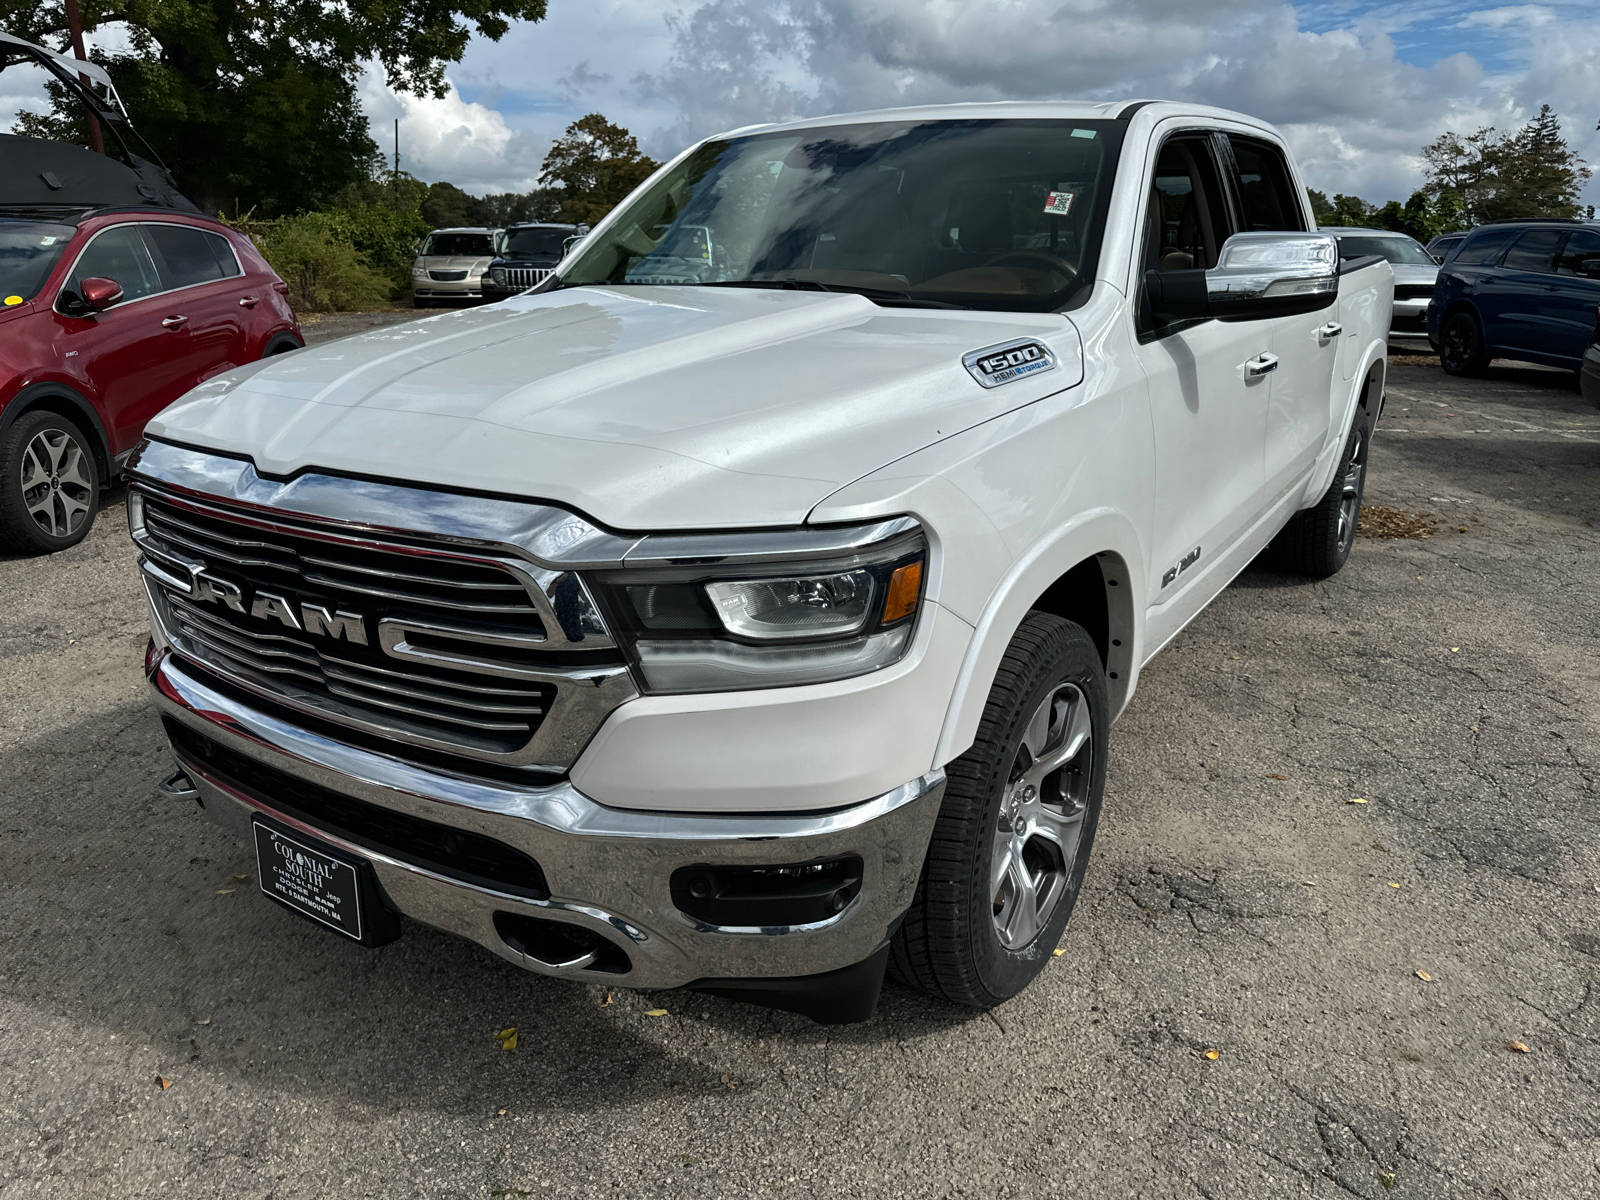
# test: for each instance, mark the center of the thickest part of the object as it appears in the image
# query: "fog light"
(766, 897)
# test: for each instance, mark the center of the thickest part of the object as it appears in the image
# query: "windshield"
(467, 245)
(1401, 250)
(28, 249)
(542, 243)
(982, 214)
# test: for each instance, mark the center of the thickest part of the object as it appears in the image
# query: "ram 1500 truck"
(745, 607)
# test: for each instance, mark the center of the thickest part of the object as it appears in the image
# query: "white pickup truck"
(745, 607)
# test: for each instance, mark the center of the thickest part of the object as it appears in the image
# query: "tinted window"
(1484, 248)
(1264, 187)
(1581, 246)
(546, 243)
(1400, 250)
(1534, 251)
(28, 249)
(119, 253)
(441, 245)
(191, 256)
(992, 214)
(1186, 222)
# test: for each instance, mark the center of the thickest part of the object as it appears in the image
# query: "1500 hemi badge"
(1009, 361)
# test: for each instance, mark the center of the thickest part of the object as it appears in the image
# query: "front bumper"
(607, 870)
(434, 289)
(1410, 316)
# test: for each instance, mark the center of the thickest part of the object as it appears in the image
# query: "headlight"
(499, 276)
(476, 270)
(419, 272)
(762, 625)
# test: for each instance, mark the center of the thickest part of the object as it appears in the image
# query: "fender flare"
(282, 343)
(1104, 533)
(34, 397)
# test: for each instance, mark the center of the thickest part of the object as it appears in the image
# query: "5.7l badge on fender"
(1009, 361)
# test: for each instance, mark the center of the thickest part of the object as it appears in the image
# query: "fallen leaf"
(226, 891)
(1425, 977)
(731, 1084)
(507, 1038)
(1057, 953)
(501, 1113)
(1464, 529)
(1455, 649)
(1277, 777)
(1357, 800)
(1380, 846)
(510, 1043)
(504, 1033)
(655, 1012)
(164, 1084)
(1518, 1048)
(1394, 885)
(1213, 1055)
(235, 880)
(606, 1003)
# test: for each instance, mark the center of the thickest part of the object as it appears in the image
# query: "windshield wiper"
(885, 296)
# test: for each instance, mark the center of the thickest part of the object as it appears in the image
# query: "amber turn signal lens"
(905, 585)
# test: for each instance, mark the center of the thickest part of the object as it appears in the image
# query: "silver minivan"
(450, 265)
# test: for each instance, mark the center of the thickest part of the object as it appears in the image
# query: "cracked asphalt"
(1241, 901)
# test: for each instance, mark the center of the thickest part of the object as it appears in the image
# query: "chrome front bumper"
(607, 870)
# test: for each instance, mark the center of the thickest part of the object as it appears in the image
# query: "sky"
(1356, 87)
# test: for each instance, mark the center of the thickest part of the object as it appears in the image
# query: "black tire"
(49, 484)
(951, 942)
(1317, 541)
(1461, 349)
(420, 302)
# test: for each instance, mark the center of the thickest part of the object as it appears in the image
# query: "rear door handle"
(1261, 364)
(248, 302)
(1331, 330)
(174, 322)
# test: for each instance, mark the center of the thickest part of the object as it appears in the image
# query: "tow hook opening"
(744, 897)
(560, 945)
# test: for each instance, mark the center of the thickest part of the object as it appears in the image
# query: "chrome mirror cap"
(1254, 267)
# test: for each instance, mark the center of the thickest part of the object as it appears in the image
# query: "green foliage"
(596, 165)
(386, 239)
(314, 255)
(253, 104)
(515, 208)
(1492, 177)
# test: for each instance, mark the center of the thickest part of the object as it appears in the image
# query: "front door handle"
(174, 322)
(248, 302)
(1331, 330)
(1261, 364)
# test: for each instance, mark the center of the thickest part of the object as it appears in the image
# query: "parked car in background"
(1527, 290)
(1441, 246)
(526, 256)
(116, 297)
(450, 265)
(1414, 270)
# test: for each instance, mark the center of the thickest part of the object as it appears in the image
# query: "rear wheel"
(1317, 541)
(1461, 349)
(49, 484)
(1013, 837)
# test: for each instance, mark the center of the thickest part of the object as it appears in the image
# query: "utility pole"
(75, 28)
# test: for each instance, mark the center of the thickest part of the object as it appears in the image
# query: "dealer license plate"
(324, 888)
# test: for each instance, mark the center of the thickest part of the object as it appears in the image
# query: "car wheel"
(419, 302)
(49, 484)
(1317, 541)
(1016, 826)
(1461, 350)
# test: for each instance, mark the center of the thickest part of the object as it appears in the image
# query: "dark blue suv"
(1528, 290)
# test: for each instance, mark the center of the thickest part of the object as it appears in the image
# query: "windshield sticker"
(11, 300)
(1084, 133)
(1058, 204)
(1008, 361)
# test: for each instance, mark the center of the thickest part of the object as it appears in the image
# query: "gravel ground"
(1241, 902)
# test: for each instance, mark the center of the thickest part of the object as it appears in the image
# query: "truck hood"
(640, 407)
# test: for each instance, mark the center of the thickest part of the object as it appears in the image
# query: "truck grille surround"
(429, 645)
(522, 277)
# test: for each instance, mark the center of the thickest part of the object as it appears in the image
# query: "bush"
(314, 254)
(385, 238)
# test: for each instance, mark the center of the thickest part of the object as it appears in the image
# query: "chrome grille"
(421, 643)
(523, 277)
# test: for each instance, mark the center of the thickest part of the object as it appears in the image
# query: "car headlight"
(473, 271)
(419, 272)
(499, 276)
(775, 624)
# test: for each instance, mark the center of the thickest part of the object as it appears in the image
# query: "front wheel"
(49, 484)
(1013, 837)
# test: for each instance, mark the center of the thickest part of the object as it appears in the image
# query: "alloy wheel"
(1355, 475)
(1041, 816)
(57, 485)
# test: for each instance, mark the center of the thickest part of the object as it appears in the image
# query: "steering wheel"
(1035, 259)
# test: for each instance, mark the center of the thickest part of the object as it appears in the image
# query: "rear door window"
(1583, 246)
(1484, 249)
(1264, 187)
(1535, 251)
(190, 256)
(119, 253)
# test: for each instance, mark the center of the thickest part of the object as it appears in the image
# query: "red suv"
(107, 315)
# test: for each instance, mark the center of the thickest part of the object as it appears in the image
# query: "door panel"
(202, 272)
(1518, 295)
(1573, 303)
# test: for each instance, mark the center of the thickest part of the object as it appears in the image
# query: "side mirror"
(100, 294)
(1257, 276)
(1590, 267)
(1438, 258)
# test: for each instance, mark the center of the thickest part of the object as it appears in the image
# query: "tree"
(596, 164)
(1492, 177)
(256, 101)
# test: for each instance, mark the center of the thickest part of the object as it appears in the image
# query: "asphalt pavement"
(1348, 864)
